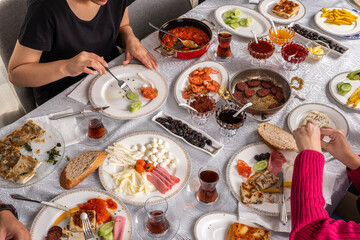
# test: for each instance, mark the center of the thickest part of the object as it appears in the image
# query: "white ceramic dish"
(334, 92)
(338, 30)
(183, 80)
(234, 180)
(214, 225)
(266, 7)
(260, 25)
(39, 151)
(182, 170)
(298, 114)
(47, 215)
(104, 91)
(216, 146)
(332, 52)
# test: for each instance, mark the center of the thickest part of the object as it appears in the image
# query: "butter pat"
(317, 50)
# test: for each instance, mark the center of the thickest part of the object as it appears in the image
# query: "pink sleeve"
(354, 175)
(309, 218)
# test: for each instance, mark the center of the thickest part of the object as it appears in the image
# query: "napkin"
(273, 223)
(66, 126)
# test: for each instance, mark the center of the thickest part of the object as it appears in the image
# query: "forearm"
(126, 35)
(37, 74)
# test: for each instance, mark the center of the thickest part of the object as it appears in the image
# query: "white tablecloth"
(315, 90)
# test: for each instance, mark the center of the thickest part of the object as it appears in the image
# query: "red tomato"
(141, 162)
(187, 93)
(212, 85)
(139, 168)
(196, 80)
(149, 167)
(149, 92)
(243, 168)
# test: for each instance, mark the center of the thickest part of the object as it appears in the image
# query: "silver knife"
(62, 115)
(50, 204)
(282, 204)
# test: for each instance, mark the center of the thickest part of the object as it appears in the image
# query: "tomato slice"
(212, 85)
(149, 92)
(187, 93)
(243, 168)
(196, 80)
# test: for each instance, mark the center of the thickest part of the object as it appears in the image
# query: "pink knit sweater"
(309, 219)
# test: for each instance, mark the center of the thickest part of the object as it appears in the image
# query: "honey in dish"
(282, 36)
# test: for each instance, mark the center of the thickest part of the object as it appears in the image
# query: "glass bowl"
(228, 129)
(260, 51)
(285, 34)
(316, 44)
(205, 105)
(293, 53)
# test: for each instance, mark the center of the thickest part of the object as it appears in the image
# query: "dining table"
(316, 76)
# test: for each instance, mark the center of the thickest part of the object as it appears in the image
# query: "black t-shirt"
(52, 27)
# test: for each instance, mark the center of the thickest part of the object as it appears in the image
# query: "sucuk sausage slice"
(274, 105)
(267, 84)
(249, 92)
(54, 235)
(253, 83)
(276, 89)
(241, 86)
(263, 92)
(240, 97)
(279, 96)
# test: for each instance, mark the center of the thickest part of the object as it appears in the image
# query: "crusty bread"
(277, 138)
(80, 168)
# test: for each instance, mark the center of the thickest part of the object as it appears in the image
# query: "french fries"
(354, 98)
(339, 17)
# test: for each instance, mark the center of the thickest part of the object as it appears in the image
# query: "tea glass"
(201, 118)
(207, 192)
(223, 51)
(293, 53)
(156, 221)
(284, 35)
(95, 127)
(228, 129)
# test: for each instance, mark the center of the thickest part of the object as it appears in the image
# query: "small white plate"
(104, 91)
(334, 92)
(183, 80)
(182, 170)
(234, 180)
(217, 146)
(298, 114)
(260, 25)
(47, 215)
(338, 30)
(266, 7)
(214, 226)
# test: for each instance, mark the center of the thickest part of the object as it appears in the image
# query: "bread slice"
(80, 168)
(277, 138)
(320, 119)
(241, 231)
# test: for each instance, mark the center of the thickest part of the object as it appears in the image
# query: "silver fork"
(88, 233)
(181, 236)
(121, 83)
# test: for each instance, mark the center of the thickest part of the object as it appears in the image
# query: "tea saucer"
(109, 125)
(191, 201)
(140, 226)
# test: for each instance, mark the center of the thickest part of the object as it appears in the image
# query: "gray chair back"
(12, 14)
(156, 11)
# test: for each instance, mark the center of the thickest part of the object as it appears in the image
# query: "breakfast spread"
(232, 18)
(238, 231)
(320, 119)
(286, 9)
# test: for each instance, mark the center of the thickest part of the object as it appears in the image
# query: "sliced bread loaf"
(80, 168)
(277, 138)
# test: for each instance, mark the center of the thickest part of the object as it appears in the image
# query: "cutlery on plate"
(283, 212)
(121, 83)
(62, 115)
(49, 204)
(88, 233)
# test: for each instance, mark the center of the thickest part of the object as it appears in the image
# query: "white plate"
(334, 92)
(214, 226)
(266, 7)
(47, 216)
(298, 114)
(52, 136)
(234, 180)
(217, 146)
(182, 170)
(104, 91)
(183, 80)
(260, 25)
(338, 30)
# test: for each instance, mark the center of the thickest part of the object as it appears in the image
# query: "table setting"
(168, 146)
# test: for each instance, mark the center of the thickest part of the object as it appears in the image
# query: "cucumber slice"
(135, 106)
(353, 75)
(227, 20)
(344, 88)
(133, 96)
(109, 236)
(233, 21)
(106, 228)
(338, 86)
(234, 16)
(242, 21)
(248, 22)
(237, 12)
(228, 13)
(261, 165)
(234, 25)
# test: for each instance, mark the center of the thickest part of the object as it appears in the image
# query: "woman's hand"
(339, 147)
(135, 49)
(82, 63)
(307, 137)
(11, 228)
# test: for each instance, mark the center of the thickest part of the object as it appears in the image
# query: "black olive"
(262, 156)
(257, 157)
(267, 155)
(208, 142)
(202, 144)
